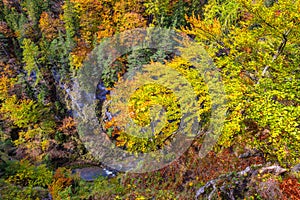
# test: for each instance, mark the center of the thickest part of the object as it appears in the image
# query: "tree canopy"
(44, 46)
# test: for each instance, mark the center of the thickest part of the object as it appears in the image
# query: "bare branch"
(279, 51)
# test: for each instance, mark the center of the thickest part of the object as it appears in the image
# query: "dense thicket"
(43, 43)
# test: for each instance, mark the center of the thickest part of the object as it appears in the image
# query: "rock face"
(239, 185)
(296, 168)
(92, 173)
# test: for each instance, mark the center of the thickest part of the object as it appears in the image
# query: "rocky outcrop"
(256, 181)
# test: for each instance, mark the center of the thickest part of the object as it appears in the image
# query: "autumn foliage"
(254, 46)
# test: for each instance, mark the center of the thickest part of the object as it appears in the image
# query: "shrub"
(25, 174)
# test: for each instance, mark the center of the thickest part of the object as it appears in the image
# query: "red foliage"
(61, 180)
(290, 188)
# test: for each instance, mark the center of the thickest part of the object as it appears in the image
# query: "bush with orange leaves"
(50, 26)
(68, 126)
(61, 181)
(290, 188)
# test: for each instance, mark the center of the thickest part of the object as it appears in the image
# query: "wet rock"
(296, 168)
(101, 92)
(92, 173)
(251, 153)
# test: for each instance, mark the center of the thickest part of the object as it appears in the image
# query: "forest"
(150, 99)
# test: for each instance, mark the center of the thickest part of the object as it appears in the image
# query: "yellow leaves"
(216, 27)
(110, 123)
(105, 31)
(121, 141)
(10, 104)
(61, 181)
(90, 14)
(76, 61)
(79, 54)
(140, 198)
(130, 144)
(50, 26)
(6, 83)
(143, 108)
(45, 145)
(131, 21)
(97, 20)
(277, 18)
(32, 118)
(146, 103)
(44, 21)
(120, 17)
(68, 125)
(204, 29)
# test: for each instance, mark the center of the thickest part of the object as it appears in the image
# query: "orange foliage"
(127, 15)
(68, 126)
(101, 19)
(7, 80)
(61, 180)
(90, 13)
(131, 21)
(79, 53)
(290, 188)
(50, 26)
(6, 30)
